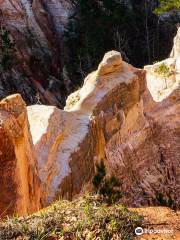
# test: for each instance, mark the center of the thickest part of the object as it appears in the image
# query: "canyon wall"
(114, 118)
(46, 65)
(118, 117)
(19, 182)
(37, 28)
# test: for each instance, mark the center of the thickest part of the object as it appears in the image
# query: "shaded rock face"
(36, 27)
(20, 185)
(162, 112)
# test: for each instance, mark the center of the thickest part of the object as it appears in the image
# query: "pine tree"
(107, 187)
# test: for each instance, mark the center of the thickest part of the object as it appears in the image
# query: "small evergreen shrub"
(107, 187)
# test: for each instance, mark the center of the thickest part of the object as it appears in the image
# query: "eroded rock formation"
(114, 118)
(68, 142)
(19, 182)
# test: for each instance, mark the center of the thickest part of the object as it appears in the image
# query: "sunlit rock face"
(164, 77)
(176, 48)
(114, 118)
(37, 27)
(103, 113)
(19, 181)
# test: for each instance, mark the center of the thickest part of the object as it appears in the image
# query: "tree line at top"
(131, 27)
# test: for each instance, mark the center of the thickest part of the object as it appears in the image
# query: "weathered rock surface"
(68, 143)
(115, 118)
(37, 28)
(20, 185)
(112, 117)
(176, 48)
(164, 77)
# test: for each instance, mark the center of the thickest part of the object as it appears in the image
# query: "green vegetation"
(163, 70)
(7, 49)
(167, 5)
(107, 187)
(85, 218)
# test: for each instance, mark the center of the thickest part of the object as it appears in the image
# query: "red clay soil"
(162, 219)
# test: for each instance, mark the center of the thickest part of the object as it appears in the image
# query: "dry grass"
(85, 218)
